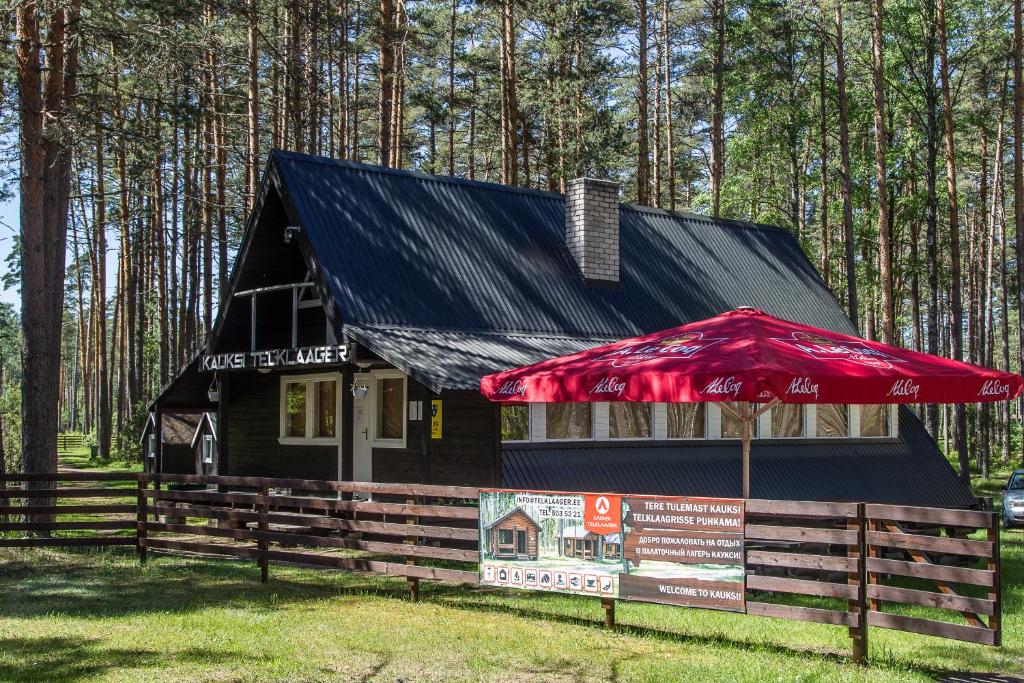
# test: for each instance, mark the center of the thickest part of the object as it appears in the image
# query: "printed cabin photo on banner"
(566, 542)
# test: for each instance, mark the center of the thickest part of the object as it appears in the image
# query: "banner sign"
(436, 417)
(276, 358)
(671, 550)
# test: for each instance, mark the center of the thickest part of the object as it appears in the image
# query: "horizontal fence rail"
(853, 565)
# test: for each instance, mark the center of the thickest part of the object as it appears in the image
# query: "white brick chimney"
(592, 228)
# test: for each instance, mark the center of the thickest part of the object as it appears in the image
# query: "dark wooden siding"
(254, 426)
(463, 456)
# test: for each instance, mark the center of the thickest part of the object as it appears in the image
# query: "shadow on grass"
(88, 584)
(48, 659)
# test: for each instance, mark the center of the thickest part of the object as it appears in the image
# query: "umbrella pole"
(745, 419)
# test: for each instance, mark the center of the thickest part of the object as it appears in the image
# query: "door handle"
(366, 433)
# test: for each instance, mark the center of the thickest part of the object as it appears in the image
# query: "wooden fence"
(69, 441)
(846, 564)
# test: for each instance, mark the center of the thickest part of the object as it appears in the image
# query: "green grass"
(79, 459)
(68, 615)
(98, 615)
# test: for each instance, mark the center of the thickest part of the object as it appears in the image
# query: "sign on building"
(276, 358)
(677, 551)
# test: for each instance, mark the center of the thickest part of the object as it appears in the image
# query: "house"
(611, 546)
(577, 541)
(366, 303)
(513, 536)
(175, 445)
(204, 444)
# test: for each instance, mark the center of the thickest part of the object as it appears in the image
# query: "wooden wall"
(253, 431)
(465, 455)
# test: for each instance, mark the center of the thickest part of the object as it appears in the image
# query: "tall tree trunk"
(882, 178)
(387, 80)
(44, 107)
(253, 103)
(717, 106)
(103, 421)
(1018, 180)
(666, 48)
(956, 311)
(451, 86)
(643, 179)
(847, 174)
(509, 100)
(932, 200)
(826, 261)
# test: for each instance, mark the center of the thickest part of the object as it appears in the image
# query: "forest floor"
(97, 615)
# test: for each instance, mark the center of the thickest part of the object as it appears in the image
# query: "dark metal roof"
(398, 249)
(878, 472)
(452, 359)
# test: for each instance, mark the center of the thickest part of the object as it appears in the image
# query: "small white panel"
(599, 412)
(714, 414)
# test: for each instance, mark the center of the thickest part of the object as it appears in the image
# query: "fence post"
(858, 578)
(995, 621)
(263, 526)
(141, 515)
(414, 582)
(609, 612)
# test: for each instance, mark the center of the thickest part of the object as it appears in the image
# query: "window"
(505, 536)
(874, 420)
(389, 401)
(732, 426)
(833, 420)
(309, 409)
(151, 445)
(515, 423)
(686, 420)
(787, 420)
(569, 421)
(207, 449)
(629, 420)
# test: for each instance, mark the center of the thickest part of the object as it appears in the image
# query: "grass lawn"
(98, 615)
(78, 459)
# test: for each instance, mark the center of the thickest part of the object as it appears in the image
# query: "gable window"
(309, 408)
(151, 446)
(874, 420)
(833, 420)
(207, 449)
(389, 394)
(686, 420)
(627, 420)
(569, 421)
(787, 420)
(515, 423)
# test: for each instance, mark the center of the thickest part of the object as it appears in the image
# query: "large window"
(833, 420)
(515, 423)
(629, 420)
(309, 409)
(787, 420)
(686, 420)
(569, 421)
(874, 420)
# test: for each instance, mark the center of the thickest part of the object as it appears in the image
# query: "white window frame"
(529, 423)
(712, 425)
(608, 424)
(661, 424)
(598, 418)
(207, 449)
(309, 380)
(376, 376)
(151, 445)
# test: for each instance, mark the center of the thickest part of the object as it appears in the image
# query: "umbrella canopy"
(747, 355)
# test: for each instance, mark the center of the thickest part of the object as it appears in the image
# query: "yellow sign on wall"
(435, 419)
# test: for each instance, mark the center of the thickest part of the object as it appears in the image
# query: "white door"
(362, 429)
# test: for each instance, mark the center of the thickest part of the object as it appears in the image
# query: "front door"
(521, 542)
(362, 427)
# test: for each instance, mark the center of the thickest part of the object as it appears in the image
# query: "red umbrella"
(748, 356)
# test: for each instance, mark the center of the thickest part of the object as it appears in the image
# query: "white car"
(1013, 500)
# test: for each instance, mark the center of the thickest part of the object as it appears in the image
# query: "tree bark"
(643, 180)
(717, 106)
(253, 103)
(955, 304)
(847, 177)
(882, 177)
(1018, 180)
